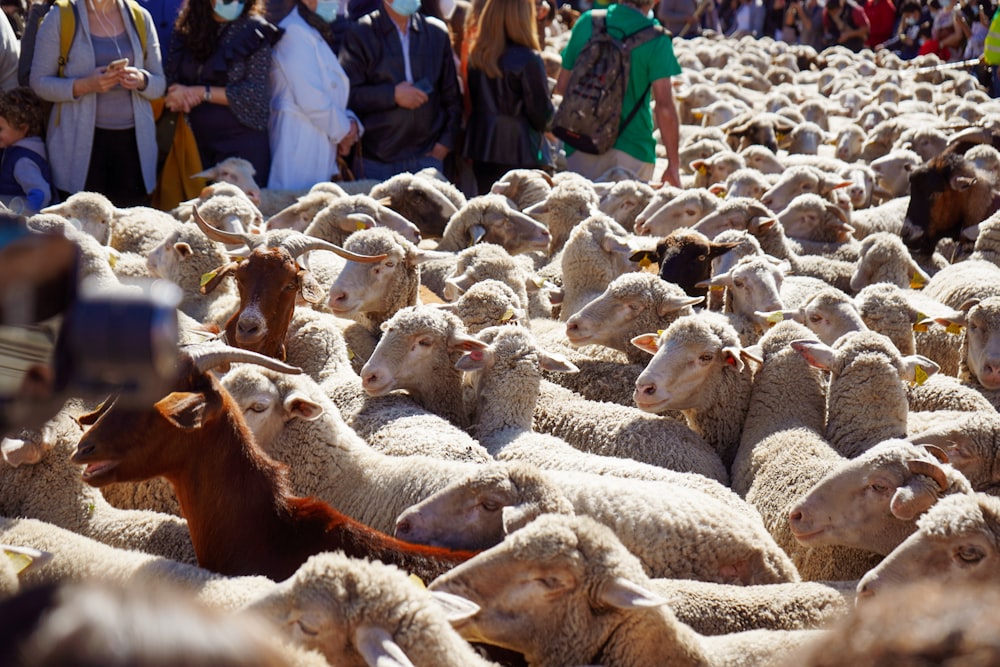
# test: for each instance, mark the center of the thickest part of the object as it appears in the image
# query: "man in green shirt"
(652, 65)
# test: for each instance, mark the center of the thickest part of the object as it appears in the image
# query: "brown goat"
(242, 517)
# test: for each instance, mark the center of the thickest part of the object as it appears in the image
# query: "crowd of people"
(412, 84)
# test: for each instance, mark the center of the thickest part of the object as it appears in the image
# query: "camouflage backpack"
(589, 116)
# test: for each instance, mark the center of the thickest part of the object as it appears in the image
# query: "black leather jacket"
(509, 113)
(372, 57)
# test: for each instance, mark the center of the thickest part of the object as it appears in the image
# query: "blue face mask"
(327, 9)
(405, 7)
(228, 11)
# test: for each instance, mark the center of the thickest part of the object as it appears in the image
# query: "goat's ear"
(212, 279)
(647, 342)
(622, 593)
(302, 407)
(817, 354)
(90, 418)
(185, 410)
(377, 647)
(645, 257)
(309, 287)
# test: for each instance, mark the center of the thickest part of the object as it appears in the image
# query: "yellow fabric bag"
(175, 184)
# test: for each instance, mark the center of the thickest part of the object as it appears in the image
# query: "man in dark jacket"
(404, 88)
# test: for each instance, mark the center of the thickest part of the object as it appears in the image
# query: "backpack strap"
(67, 30)
(139, 23)
(638, 38)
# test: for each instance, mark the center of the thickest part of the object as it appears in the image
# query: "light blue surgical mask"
(228, 11)
(327, 9)
(405, 7)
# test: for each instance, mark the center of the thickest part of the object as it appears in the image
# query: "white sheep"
(596, 252)
(970, 441)
(883, 258)
(418, 198)
(565, 205)
(625, 200)
(683, 210)
(602, 594)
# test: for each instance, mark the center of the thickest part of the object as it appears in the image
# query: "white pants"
(595, 166)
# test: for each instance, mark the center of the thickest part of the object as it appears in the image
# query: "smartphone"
(117, 65)
(424, 86)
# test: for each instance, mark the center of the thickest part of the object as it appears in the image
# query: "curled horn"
(298, 244)
(207, 357)
(230, 238)
(934, 471)
(937, 452)
(838, 212)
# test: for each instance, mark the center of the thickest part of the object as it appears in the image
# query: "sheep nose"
(647, 389)
(865, 590)
(371, 377)
(795, 516)
(572, 327)
(403, 528)
(338, 296)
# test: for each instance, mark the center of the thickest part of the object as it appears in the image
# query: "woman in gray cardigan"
(101, 134)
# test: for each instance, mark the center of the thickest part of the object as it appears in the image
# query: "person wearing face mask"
(404, 89)
(309, 122)
(218, 70)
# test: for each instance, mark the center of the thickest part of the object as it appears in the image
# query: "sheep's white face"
(367, 288)
(602, 321)
(463, 515)
(676, 374)
(966, 554)
(260, 402)
(756, 287)
(983, 342)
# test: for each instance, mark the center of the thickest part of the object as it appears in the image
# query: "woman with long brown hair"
(508, 91)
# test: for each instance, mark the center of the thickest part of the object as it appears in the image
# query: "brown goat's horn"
(222, 236)
(301, 243)
(919, 467)
(207, 357)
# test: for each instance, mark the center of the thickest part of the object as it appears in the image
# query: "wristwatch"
(208, 93)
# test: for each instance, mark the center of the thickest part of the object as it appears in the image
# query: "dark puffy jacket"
(372, 57)
(509, 113)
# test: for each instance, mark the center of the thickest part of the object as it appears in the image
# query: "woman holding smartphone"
(101, 134)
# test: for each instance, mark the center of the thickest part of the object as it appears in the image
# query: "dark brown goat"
(269, 279)
(685, 258)
(242, 517)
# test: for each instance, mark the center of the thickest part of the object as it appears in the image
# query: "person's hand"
(671, 176)
(439, 152)
(175, 100)
(344, 147)
(409, 96)
(98, 81)
(131, 78)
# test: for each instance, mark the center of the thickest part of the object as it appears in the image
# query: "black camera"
(62, 338)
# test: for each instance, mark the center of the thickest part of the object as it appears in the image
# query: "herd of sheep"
(750, 421)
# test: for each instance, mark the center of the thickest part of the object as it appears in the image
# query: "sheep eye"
(424, 342)
(970, 554)
(706, 358)
(738, 282)
(490, 505)
(815, 319)
(389, 265)
(879, 487)
(701, 258)
(258, 407)
(306, 630)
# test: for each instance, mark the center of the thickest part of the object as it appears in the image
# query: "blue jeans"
(381, 171)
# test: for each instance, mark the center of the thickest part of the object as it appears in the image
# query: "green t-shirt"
(650, 61)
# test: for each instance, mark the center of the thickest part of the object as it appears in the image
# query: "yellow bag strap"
(67, 29)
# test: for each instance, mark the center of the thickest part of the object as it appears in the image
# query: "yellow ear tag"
(359, 225)
(776, 317)
(206, 278)
(920, 328)
(645, 262)
(507, 314)
(920, 376)
(716, 288)
(780, 135)
(703, 170)
(917, 281)
(721, 194)
(21, 561)
(954, 328)
(417, 581)
(350, 354)
(113, 259)
(539, 282)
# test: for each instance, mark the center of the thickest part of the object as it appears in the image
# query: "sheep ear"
(955, 318)
(24, 558)
(456, 608)
(914, 498)
(613, 244)
(917, 368)
(378, 648)
(641, 256)
(476, 360)
(460, 342)
(721, 280)
(309, 287)
(185, 410)
(476, 234)
(719, 249)
(674, 303)
(718, 189)
(622, 593)
(302, 407)
(762, 225)
(515, 517)
(556, 363)
(732, 355)
(500, 188)
(537, 209)
(754, 355)
(421, 256)
(183, 249)
(647, 342)
(212, 279)
(816, 354)
(17, 452)
(968, 305)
